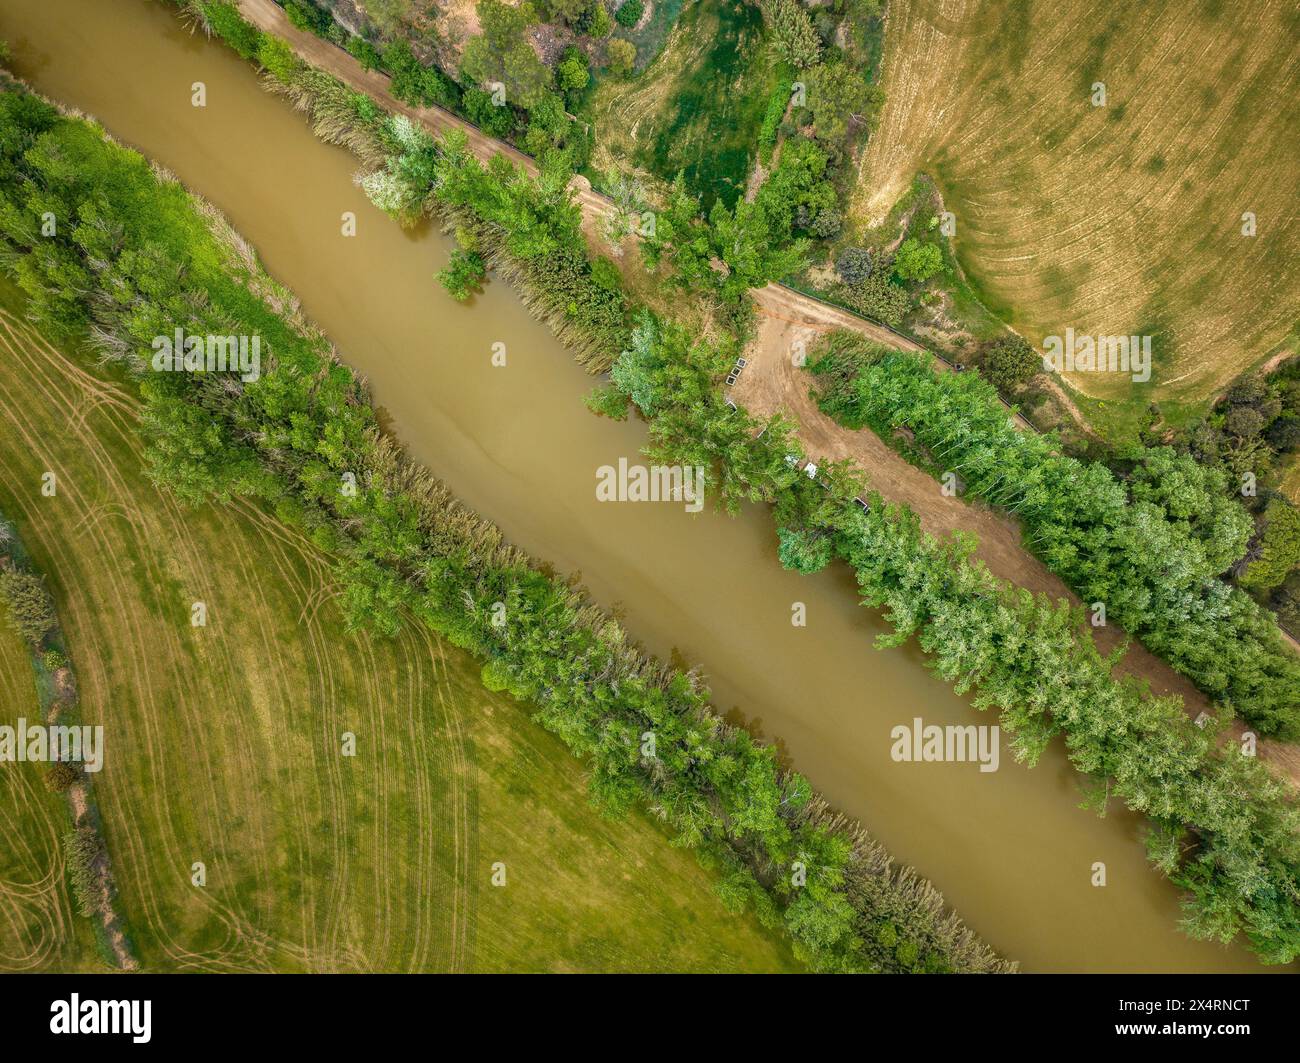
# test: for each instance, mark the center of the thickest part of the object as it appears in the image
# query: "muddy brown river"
(1010, 849)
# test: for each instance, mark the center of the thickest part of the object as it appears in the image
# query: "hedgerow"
(1151, 547)
(406, 547)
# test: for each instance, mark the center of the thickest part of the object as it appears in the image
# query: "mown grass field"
(1119, 219)
(224, 746)
(696, 108)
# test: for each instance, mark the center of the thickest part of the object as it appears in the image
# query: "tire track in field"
(243, 945)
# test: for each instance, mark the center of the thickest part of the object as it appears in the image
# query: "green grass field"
(224, 746)
(697, 107)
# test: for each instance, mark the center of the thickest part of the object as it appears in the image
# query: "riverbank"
(1006, 846)
(304, 441)
(788, 316)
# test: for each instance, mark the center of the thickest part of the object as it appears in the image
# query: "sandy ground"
(771, 382)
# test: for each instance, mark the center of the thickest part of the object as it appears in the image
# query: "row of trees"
(405, 547)
(1151, 546)
(503, 86)
(1222, 827)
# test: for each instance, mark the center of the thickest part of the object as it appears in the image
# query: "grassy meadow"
(697, 107)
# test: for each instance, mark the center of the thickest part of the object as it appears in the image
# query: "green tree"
(502, 53)
(464, 274)
(629, 13)
(838, 95)
(916, 261)
(1010, 364)
(30, 607)
(792, 31)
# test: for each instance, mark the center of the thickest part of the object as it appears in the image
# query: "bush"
(307, 16)
(853, 265)
(621, 57)
(82, 849)
(776, 105)
(630, 13)
(600, 25)
(365, 53)
(417, 84)
(572, 74)
(31, 609)
(877, 297)
(826, 224)
(793, 35)
(1010, 364)
(60, 776)
(493, 120)
(464, 275)
(227, 23)
(916, 261)
(1280, 549)
(278, 59)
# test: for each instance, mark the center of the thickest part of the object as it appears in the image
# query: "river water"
(1010, 849)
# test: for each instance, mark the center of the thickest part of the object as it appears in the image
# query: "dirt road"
(771, 382)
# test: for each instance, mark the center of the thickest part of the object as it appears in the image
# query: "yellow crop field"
(1106, 164)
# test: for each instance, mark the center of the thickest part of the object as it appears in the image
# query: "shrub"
(82, 849)
(572, 74)
(629, 14)
(493, 120)
(464, 275)
(31, 609)
(1010, 364)
(793, 35)
(600, 25)
(224, 19)
(365, 53)
(621, 56)
(307, 16)
(60, 776)
(853, 265)
(916, 261)
(278, 59)
(776, 105)
(415, 83)
(1280, 549)
(826, 224)
(877, 297)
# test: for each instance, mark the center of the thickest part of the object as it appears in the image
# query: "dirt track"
(770, 382)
